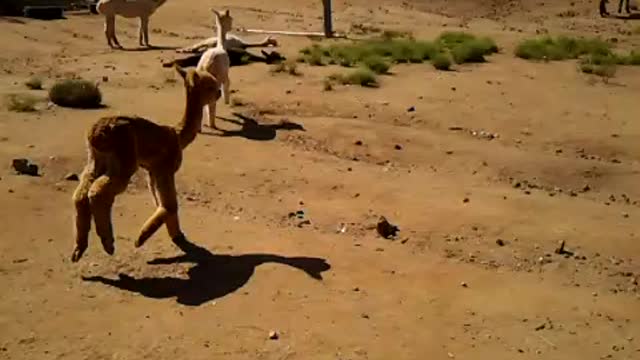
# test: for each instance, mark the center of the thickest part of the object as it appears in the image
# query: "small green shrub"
(441, 61)
(601, 65)
(34, 83)
(606, 71)
(453, 38)
(633, 58)
(76, 93)
(561, 48)
(377, 64)
(361, 76)
(21, 102)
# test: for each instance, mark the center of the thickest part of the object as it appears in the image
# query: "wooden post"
(328, 25)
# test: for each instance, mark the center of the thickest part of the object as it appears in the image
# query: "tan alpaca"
(231, 42)
(216, 62)
(142, 9)
(118, 145)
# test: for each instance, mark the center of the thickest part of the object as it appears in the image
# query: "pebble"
(71, 177)
(500, 242)
(464, 284)
(273, 335)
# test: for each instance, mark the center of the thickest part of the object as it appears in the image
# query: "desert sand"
(472, 274)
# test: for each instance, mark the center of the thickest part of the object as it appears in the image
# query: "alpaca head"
(226, 21)
(271, 41)
(200, 84)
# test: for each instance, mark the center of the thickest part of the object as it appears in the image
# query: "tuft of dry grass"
(34, 83)
(289, 67)
(22, 102)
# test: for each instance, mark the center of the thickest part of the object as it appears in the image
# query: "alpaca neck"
(222, 34)
(191, 122)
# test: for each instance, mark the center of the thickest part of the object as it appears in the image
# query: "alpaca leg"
(112, 31)
(82, 216)
(101, 196)
(146, 32)
(108, 24)
(140, 31)
(151, 184)
(226, 87)
(166, 213)
(211, 111)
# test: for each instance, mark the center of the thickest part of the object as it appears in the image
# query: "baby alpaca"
(118, 145)
(216, 62)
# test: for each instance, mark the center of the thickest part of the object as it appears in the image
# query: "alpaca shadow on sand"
(212, 277)
(252, 130)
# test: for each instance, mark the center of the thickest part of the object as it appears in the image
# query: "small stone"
(358, 142)
(24, 167)
(71, 177)
(465, 200)
(398, 147)
(586, 188)
(625, 215)
(273, 335)
(411, 109)
(464, 284)
(500, 242)
(105, 79)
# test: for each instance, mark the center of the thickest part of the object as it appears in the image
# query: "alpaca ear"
(181, 71)
(226, 12)
(215, 11)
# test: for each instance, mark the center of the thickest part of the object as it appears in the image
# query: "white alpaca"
(216, 62)
(231, 42)
(142, 9)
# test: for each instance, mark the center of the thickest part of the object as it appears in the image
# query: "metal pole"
(328, 26)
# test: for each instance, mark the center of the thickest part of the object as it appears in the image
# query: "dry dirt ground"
(566, 166)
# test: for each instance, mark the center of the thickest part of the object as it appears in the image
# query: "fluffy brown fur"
(118, 145)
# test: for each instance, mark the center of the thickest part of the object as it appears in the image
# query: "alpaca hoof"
(77, 254)
(139, 242)
(180, 238)
(109, 249)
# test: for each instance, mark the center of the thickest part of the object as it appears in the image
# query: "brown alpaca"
(118, 145)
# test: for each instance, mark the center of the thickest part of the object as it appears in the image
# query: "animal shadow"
(212, 277)
(252, 130)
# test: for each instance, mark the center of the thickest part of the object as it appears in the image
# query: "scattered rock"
(411, 109)
(386, 229)
(273, 335)
(71, 177)
(105, 79)
(464, 284)
(500, 242)
(358, 142)
(24, 167)
(398, 147)
(560, 250)
(465, 200)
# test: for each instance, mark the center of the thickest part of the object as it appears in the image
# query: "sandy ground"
(566, 166)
